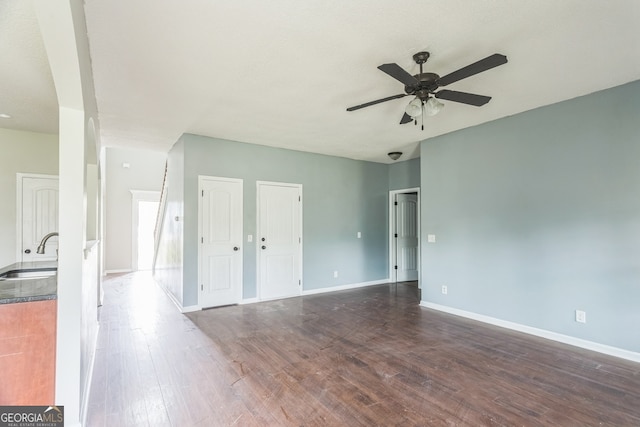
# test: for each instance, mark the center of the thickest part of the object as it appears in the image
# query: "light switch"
(359, 235)
(431, 238)
(250, 238)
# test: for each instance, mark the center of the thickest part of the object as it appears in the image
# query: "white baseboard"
(345, 287)
(175, 301)
(123, 270)
(565, 339)
(319, 291)
(190, 308)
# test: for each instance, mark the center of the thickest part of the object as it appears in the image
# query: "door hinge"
(395, 267)
(395, 203)
(202, 240)
(202, 287)
(299, 282)
(395, 235)
(299, 239)
(203, 194)
(299, 198)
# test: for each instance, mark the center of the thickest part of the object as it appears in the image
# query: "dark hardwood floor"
(366, 357)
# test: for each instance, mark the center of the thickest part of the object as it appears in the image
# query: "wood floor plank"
(366, 357)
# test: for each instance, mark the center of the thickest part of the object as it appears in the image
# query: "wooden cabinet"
(28, 353)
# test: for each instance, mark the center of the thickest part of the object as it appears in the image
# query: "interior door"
(221, 235)
(38, 216)
(279, 240)
(407, 240)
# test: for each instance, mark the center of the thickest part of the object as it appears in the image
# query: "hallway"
(362, 357)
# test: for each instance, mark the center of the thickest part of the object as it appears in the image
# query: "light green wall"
(170, 254)
(537, 215)
(26, 152)
(340, 198)
(404, 174)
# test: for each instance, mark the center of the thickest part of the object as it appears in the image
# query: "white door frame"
(392, 230)
(19, 177)
(201, 178)
(258, 250)
(138, 196)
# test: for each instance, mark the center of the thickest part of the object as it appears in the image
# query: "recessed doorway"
(404, 230)
(144, 215)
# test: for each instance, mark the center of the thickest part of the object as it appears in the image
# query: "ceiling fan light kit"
(433, 107)
(394, 155)
(414, 109)
(424, 86)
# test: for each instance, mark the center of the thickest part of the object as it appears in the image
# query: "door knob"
(263, 239)
(264, 247)
(27, 251)
(235, 248)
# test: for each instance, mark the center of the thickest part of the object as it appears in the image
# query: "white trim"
(257, 241)
(321, 291)
(565, 339)
(19, 178)
(392, 221)
(345, 287)
(122, 270)
(175, 301)
(138, 196)
(239, 292)
(190, 308)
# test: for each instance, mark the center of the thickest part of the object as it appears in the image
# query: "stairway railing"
(160, 217)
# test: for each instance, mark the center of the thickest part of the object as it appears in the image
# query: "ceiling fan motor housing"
(428, 83)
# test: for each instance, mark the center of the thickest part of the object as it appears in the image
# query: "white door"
(279, 240)
(37, 216)
(407, 236)
(220, 269)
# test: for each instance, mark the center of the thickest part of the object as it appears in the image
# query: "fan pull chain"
(422, 115)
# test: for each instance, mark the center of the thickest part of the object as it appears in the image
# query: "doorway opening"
(145, 206)
(147, 213)
(404, 235)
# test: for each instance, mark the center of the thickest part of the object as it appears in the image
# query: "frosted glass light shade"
(432, 107)
(414, 109)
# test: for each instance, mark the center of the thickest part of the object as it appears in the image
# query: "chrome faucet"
(40, 249)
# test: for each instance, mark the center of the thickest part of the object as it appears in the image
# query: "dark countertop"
(27, 290)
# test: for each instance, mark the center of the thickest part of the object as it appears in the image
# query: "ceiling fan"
(424, 85)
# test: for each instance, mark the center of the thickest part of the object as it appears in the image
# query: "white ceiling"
(281, 73)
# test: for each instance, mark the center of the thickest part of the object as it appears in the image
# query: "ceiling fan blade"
(377, 101)
(463, 97)
(406, 119)
(475, 68)
(398, 73)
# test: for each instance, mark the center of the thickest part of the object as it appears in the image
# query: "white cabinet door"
(279, 240)
(220, 242)
(37, 216)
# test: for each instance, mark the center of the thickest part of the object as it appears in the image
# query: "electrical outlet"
(335, 274)
(581, 316)
(444, 289)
